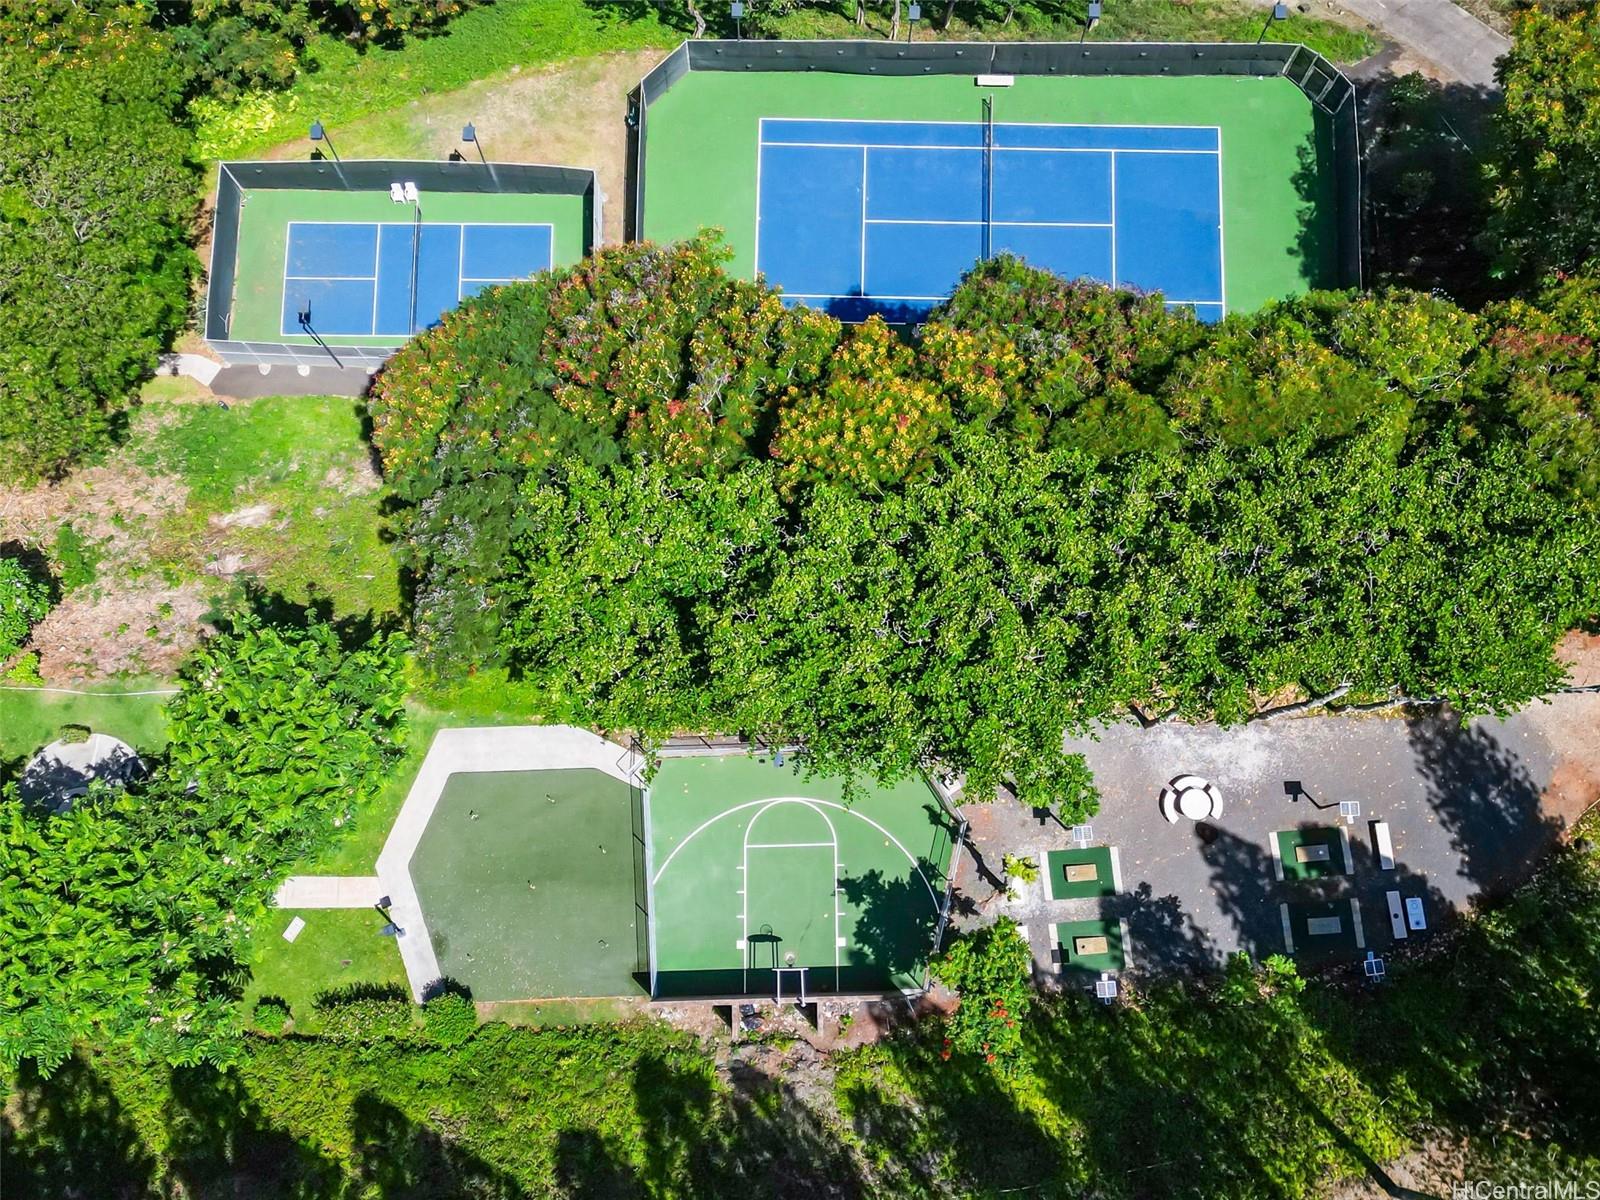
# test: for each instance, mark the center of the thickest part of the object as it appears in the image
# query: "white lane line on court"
(864, 151)
(785, 845)
(1113, 280)
(377, 258)
(936, 121)
(1222, 249)
(727, 812)
(994, 224)
(998, 149)
(834, 845)
(761, 146)
(356, 278)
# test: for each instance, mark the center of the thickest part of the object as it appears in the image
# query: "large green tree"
(1545, 167)
(96, 200)
(126, 915)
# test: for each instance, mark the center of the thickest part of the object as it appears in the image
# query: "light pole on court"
(1280, 12)
(1090, 20)
(736, 11)
(913, 15)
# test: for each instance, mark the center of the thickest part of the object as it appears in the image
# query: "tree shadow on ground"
(1243, 880)
(67, 1137)
(1485, 797)
(758, 1139)
(1165, 938)
(1426, 196)
(220, 1144)
(396, 1158)
(588, 1165)
(895, 923)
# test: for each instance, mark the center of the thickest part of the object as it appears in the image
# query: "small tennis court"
(369, 278)
(766, 883)
(890, 214)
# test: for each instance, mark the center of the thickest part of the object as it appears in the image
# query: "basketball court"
(764, 882)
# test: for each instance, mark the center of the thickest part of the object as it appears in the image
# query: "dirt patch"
(1580, 654)
(253, 516)
(106, 505)
(138, 631)
(359, 478)
(568, 114)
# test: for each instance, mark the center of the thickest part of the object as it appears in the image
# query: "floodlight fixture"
(319, 133)
(468, 133)
(1280, 12)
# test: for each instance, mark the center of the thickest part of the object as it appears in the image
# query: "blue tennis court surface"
(392, 278)
(886, 216)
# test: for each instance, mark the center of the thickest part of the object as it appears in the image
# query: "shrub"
(367, 1013)
(271, 1014)
(24, 671)
(449, 1019)
(24, 601)
(991, 970)
(74, 734)
(1077, 798)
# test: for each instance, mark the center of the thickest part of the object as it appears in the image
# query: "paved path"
(1461, 46)
(330, 891)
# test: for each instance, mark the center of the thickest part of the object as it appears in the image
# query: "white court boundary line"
(762, 143)
(744, 880)
(377, 259)
(728, 812)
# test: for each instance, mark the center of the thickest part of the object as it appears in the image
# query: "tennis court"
(361, 278)
(302, 262)
(862, 193)
(893, 213)
(766, 883)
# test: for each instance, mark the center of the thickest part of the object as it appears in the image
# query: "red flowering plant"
(991, 970)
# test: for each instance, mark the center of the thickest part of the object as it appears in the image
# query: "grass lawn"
(510, 35)
(337, 947)
(285, 483)
(487, 698)
(31, 718)
(1123, 20)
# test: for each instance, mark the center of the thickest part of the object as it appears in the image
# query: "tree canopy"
(127, 915)
(658, 492)
(96, 199)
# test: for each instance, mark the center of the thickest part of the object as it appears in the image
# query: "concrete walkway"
(330, 891)
(1462, 47)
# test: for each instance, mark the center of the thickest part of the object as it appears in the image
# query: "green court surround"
(1279, 225)
(743, 851)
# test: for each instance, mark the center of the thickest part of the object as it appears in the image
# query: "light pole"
(1090, 20)
(1280, 12)
(320, 134)
(736, 10)
(470, 134)
(913, 15)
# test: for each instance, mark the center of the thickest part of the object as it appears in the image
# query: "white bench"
(1397, 916)
(1384, 847)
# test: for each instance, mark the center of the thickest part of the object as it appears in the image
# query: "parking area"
(1383, 826)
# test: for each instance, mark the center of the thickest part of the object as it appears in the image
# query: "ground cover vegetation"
(1257, 1084)
(655, 490)
(149, 895)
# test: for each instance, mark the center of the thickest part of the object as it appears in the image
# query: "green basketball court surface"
(764, 881)
(1277, 189)
(527, 879)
